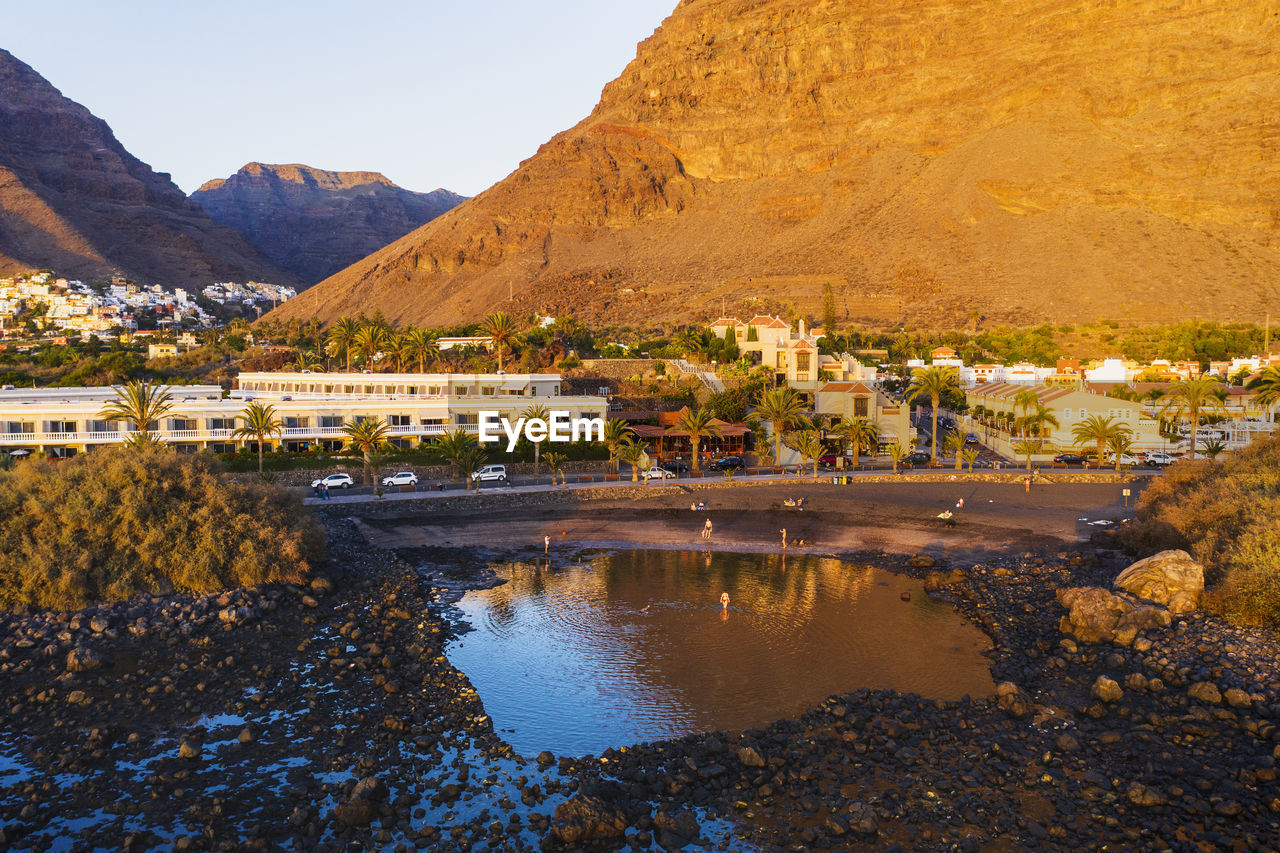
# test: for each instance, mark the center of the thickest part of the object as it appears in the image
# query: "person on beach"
(960, 504)
(783, 531)
(947, 519)
(706, 530)
(1027, 484)
(546, 544)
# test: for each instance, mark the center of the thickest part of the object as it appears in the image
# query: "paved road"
(427, 490)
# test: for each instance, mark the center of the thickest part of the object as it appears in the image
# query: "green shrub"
(1226, 515)
(115, 522)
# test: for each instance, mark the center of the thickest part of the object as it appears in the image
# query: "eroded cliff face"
(315, 222)
(72, 198)
(1028, 160)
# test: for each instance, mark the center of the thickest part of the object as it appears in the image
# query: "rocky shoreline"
(327, 716)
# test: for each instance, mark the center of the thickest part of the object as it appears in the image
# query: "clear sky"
(430, 93)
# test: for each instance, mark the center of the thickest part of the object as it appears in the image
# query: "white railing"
(29, 439)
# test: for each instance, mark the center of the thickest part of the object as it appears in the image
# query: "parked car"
(918, 457)
(970, 438)
(675, 466)
(1125, 459)
(1069, 459)
(1160, 458)
(491, 472)
(830, 460)
(728, 463)
(401, 478)
(334, 481)
(656, 473)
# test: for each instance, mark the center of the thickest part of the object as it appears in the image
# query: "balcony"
(33, 439)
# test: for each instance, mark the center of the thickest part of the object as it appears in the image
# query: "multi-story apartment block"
(416, 407)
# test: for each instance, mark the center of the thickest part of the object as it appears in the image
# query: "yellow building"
(837, 400)
(1070, 406)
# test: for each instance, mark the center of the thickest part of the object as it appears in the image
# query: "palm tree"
(1212, 448)
(1025, 400)
(1119, 444)
(453, 446)
(368, 436)
(809, 443)
(260, 424)
(341, 336)
(897, 452)
(368, 342)
(555, 461)
(1028, 447)
(1188, 398)
(698, 423)
(1099, 431)
(540, 412)
(401, 350)
(470, 459)
(783, 407)
(615, 431)
(971, 455)
(632, 453)
(305, 360)
(422, 347)
(1266, 388)
(934, 383)
(142, 405)
(859, 432)
(502, 330)
(953, 442)
(1033, 423)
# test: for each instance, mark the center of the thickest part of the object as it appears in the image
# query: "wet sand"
(894, 518)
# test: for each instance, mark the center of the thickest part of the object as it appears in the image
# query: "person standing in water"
(783, 531)
(546, 544)
(706, 530)
(724, 601)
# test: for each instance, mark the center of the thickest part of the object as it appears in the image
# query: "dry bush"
(115, 522)
(1228, 516)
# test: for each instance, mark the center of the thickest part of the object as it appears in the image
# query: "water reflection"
(637, 646)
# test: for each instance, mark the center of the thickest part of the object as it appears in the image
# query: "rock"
(85, 659)
(308, 601)
(235, 615)
(356, 812)
(546, 757)
(1170, 578)
(1205, 691)
(749, 757)
(862, 818)
(1098, 616)
(188, 749)
(76, 697)
(1141, 795)
(369, 788)
(246, 735)
(99, 623)
(1237, 698)
(586, 818)
(1106, 690)
(1067, 743)
(1011, 699)
(321, 585)
(935, 581)
(922, 561)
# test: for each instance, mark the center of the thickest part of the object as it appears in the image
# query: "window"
(486, 390)
(102, 426)
(432, 421)
(297, 423)
(399, 420)
(802, 362)
(433, 390)
(222, 447)
(860, 407)
(222, 423)
(62, 426)
(330, 422)
(183, 423)
(21, 426)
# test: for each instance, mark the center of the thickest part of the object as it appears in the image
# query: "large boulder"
(587, 818)
(85, 659)
(1096, 615)
(1170, 578)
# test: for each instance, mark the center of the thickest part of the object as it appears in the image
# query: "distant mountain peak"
(73, 199)
(315, 222)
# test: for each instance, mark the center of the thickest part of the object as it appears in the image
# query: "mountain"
(74, 200)
(313, 222)
(1021, 161)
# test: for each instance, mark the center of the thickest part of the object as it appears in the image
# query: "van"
(491, 472)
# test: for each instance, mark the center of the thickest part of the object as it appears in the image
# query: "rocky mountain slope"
(314, 222)
(73, 199)
(1022, 160)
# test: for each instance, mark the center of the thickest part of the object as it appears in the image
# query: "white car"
(1125, 459)
(402, 478)
(660, 473)
(491, 472)
(1160, 459)
(334, 481)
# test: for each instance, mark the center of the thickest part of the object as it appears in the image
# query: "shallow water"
(635, 646)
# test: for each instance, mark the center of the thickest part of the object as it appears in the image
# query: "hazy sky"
(432, 94)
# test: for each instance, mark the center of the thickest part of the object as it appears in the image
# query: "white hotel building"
(416, 407)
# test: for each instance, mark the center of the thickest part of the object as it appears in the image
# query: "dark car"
(728, 463)
(675, 466)
(918, 457)
(1069, 459)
